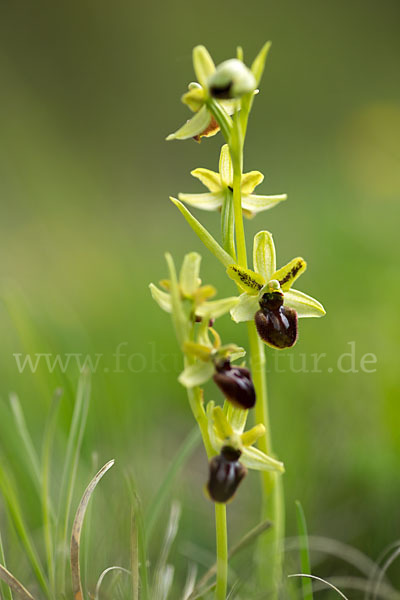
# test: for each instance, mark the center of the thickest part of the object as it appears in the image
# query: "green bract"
(265, 277)
(221, 184)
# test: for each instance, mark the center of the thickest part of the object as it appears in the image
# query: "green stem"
(222, 551)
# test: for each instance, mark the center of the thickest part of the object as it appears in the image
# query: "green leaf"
(304, 305)
(207, 201)
(264, 261)
(203, 64)
(207, 239)
(259, 62)
(163, 299)
(189, 275)
(249, 281)
(306, 584)
(196, 374)
(193, 127)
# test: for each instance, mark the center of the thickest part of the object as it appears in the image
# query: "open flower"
(202, 124)
(268, 295)
(221, 184)
(191, 289)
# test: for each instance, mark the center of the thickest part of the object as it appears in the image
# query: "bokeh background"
(89, 90)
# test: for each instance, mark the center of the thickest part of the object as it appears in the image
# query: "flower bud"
(276, 324)
(231, 79)
(236, 384)
(225, 474)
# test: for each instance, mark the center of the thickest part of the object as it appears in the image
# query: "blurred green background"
(89, 90)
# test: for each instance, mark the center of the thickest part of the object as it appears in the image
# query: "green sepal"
(193, 127)
(198, 350)
(245, 309)
(163, 299)
(196, 374)
(253, 458)
(207, 239)
(189, 279)
(216, 308)
(203, 64)
(304, 305)
(207, 201)
(249, 281)
(264, 260)
(178, 314)
(258, 65)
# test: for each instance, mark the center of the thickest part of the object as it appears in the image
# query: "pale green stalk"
(272, 498)
(222, 551)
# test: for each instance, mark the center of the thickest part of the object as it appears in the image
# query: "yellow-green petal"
(249, 281)
(210, 179)
(255, 203)
(193, 127)
(304, 305)
(163, 299)
(198, 350)
(189, 279)
(250, 181)
(252, 435)
(253, 458)
(210, 202)
(203, 64)
(245, 309)
(264, 261)
(288, 274)
(217, 308)
(225, 166)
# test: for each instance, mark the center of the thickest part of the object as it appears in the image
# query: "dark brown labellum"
(222, 92)
(236, 384)
(276, 324)
(225, 475)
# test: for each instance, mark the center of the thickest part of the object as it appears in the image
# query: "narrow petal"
(193, 127)
(198, 350)
(250, 181)
(208, 178)
(223, 427)
(203, 64)
(253, 458)
(225, 166)
(245, 309)
(264, 260)
(252, 435)
(163, 299)
(206, 201)
(217, 308)
(247, 280)
(256, 204)
(232, 351)
(196, 374)
(189, 275)
(304, 305)
(288, 274)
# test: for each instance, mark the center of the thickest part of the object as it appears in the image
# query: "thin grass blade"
(141, 537)
(134, 557)
(27, 443)
(102, 576)
(77, 529)
(14, 584)
(333, 587)
(5, 590)
(306, 584)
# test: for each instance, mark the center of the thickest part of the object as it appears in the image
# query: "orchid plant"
(221, 100)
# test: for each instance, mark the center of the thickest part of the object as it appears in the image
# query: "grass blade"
(134, 558)
(5, 590)
(102, 576)
(21, 427)
(78, 424)
(306, 575)
(183, 454)
(14, 510)
(14, 584)
(306, 583)
(77, 529)
(164, 574)
(141, 538)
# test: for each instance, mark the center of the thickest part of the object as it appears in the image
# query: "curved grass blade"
(47, 509)
(14, 584)
(164, 572)
(183, 454)
(306, 583)
(77, 529)
(141, 538)
(8, 490)
(333, 587)
(78, 424)
(27, 443)
(134, 557)
(210, 243)
(102, 576)
(5, 590)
